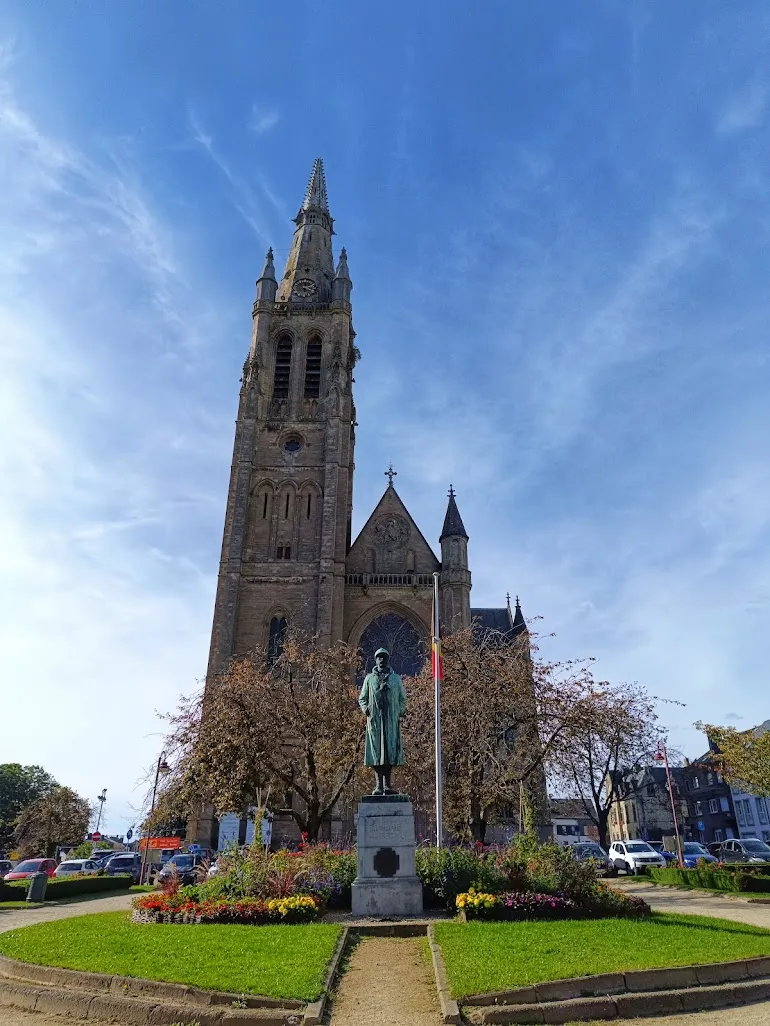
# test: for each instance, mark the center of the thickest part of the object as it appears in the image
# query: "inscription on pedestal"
(390, 830)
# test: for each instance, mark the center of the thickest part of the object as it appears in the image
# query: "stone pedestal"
(387, 884)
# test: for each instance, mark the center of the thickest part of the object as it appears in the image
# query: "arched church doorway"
(400, 637)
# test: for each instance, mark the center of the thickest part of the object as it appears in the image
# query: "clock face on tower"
(304, 288)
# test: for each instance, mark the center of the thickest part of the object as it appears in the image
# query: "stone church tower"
(287, 553)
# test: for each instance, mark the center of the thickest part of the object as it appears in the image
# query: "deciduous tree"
(19, 787)
(622, 731)
(290, 728)
(742, 755)
(60, 817)
(504, 716)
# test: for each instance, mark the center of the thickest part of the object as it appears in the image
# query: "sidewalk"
(672, 899)
(11, 918)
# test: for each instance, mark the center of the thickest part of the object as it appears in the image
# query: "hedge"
(61, 887)
(715, 879)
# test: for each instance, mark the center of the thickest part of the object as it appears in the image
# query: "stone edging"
(450, 1012)
(314, 1012)
(637, 992)
(130, 1000)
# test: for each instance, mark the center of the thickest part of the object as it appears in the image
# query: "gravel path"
(388, 982)
(746, 1015)
(10, 918)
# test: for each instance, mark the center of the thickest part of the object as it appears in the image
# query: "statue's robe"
(383, 732)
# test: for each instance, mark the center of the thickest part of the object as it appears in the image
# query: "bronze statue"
(383, 702)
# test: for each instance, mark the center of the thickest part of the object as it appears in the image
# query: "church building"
(288, 556)
(287, 552)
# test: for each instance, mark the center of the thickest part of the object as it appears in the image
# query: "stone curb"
(132, 1012)
(621, 1006)
(314, 1012)
(132, 986)
(633, 981)
(450, 1012)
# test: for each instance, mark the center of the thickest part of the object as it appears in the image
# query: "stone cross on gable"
(390, 473)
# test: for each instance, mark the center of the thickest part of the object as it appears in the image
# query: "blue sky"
(557, 221)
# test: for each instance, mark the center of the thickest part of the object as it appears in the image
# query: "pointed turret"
(342, 284)
(266, 283)
(309, 271)
(453, 524)
(455, 576)
(518, 623)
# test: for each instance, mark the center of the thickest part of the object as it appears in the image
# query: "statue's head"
(382, 659)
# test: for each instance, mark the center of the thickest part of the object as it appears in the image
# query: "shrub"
(716, 877)
(68, 887)
(447, 872)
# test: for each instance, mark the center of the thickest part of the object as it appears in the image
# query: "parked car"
(103, 854)
(124, 862)
(746, 849)
(6, 866)
(669, 856)
(635, 856)
(693, 852)
(185, 865)
(85, 867)
(715, 849)
(592, 850)
(29, 867)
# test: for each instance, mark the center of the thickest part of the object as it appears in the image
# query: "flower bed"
(516, 905)
(512, 905)
(163, 908)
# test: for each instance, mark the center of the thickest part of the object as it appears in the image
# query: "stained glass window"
(400, 637)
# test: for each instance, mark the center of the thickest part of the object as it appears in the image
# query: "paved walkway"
(388, 981)
(11, 918)
(672, 899)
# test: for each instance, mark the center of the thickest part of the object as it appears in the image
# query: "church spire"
(266, 283)
(453, 524)
(309, 272)
(316, 188)
(519, 624)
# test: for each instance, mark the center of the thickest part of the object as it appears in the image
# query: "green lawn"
(482, 957)
(20, 904)
(276, 961)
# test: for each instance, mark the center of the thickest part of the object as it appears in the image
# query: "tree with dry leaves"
(505, 714)
(290, 727)
(59, 817)
(743, 756)
(623, 731)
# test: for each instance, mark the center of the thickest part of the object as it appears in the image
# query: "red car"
(30, 866)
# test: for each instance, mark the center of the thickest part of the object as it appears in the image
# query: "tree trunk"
(603, 816)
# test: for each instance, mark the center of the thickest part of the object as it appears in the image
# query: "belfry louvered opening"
(313, 369)
(282, 368)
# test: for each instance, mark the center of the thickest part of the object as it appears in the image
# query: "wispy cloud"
(263, 119)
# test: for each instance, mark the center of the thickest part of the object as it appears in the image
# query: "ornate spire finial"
(316, 188)
(451, 493)
(508, 600)
(390, 473)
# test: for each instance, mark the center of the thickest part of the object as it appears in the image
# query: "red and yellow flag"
(436, 661)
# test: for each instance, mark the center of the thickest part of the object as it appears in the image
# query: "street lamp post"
(102, 798)
(662, 756)
(162, 769)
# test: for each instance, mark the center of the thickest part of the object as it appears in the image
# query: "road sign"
(193, 849)
(96, 836)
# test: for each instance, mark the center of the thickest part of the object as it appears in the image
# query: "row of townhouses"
(707, 807)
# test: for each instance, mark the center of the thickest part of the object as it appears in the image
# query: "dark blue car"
(692, 851)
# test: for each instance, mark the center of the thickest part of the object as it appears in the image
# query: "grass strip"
(481, 957)
(275, 961)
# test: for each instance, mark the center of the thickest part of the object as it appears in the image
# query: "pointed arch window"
(282, 368)
(275, 638)
(313, 369)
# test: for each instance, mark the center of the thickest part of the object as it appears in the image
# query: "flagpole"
(436, 660)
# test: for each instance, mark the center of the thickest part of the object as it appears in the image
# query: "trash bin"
(37, 885)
